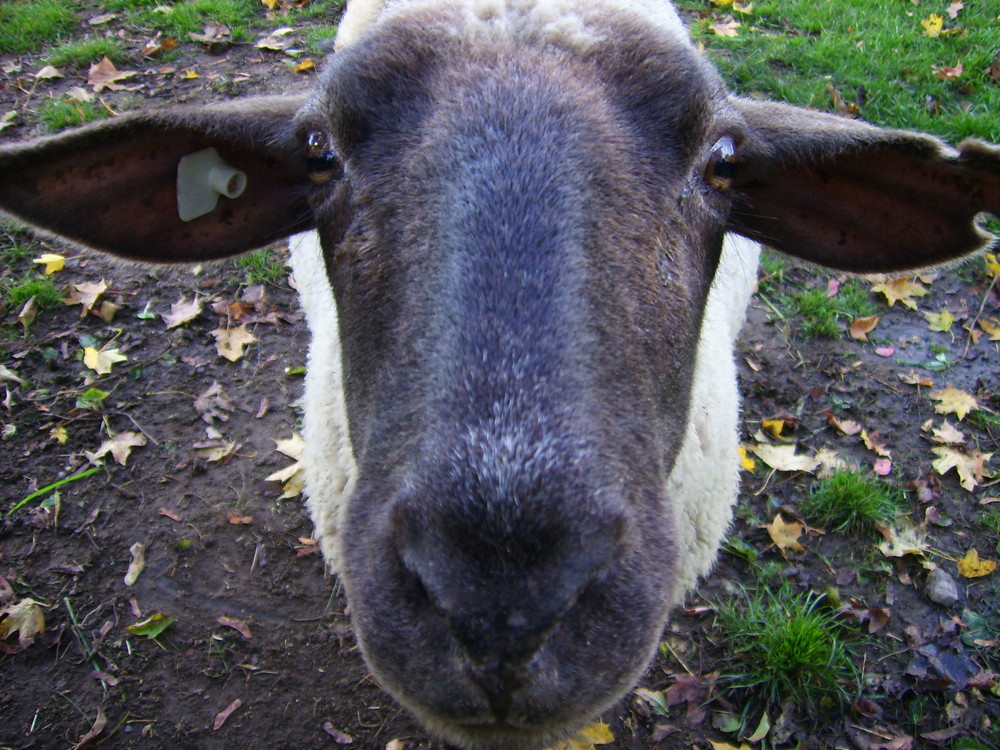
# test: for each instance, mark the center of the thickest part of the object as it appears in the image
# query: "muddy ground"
(259, 622)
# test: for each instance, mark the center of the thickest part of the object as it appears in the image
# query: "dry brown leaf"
(229, 343)
(992, 328)
(970, 467)
(727, 26)
(954, 8)
(873, 444)
(49, 72)
(214, 36)
(86, 295)
(238, 625)
(100, 722)
(846, 426)
(120, 447)
(917, 378)
(971, 566)
(220, 718)
(900, 290)
(786, 535)
(943, 73)
(24, 618)
(104, 75)
(861, 327)
(213, 404)
(954, 401)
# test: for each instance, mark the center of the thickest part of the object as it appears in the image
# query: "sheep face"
(520, 250)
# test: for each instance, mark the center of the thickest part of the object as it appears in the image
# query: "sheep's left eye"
(321, 162)
(721, 166)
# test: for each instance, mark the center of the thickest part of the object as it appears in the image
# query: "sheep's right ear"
(113, 186)
(856, 197)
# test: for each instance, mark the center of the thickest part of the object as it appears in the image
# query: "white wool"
(704, 482)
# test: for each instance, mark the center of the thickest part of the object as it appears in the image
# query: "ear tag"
(201, 178)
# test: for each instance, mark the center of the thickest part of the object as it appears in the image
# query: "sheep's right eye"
(321, 161)
(721, 165)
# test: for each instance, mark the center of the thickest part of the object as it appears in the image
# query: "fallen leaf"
(24, 618)
(59, 434)
(189, 74)
(120, 447)
(170, 514)
(846, 426)
(220, 718)
(971, 566)
(900, 290)
(970, 467)
(101, 19)
(829, 462)
(305, 66)
(942, 321)
(238, 625)
(917, 378)
(213, 403)
(873, 444)
(49, 72)
(992, 264)
(861, 327)
(786, 535)
(292, 476)
(774, 426)
(727, 27)
(236, 520)
(214, 36)
(28, 313)
(182, 312)
(954, 8)
(135, 568)
(100, 722)
(152, 626)
(784, 458)
(102, 360)
(943, 73)
(992, 327)
(954, 401)
(882, 467)
(909, 540)
(746, 463)
(339, 737)
(86, 294)
(885, 351)
(948, 434)
(158, 45)
(104, 75)
(275, 41)
(587, 738)
(229, 343)
(933, 24)
(215, 450)
(395, 745)
(727, 746)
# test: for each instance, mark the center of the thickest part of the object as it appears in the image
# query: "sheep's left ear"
(114, 185)
(848, 195)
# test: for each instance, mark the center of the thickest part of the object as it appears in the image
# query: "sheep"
(538, 229)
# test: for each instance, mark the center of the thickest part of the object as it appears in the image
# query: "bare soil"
(219, 543)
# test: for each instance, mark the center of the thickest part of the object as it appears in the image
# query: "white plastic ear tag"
(201, 178)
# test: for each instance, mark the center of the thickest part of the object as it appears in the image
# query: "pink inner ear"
(882, 210)
(119, 195)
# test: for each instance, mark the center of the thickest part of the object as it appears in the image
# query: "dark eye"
(321, 162)
(721, 165)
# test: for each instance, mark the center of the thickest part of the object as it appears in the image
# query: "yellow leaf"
(933, 24)
(24, 618)
(992, 327)
(786, 535)
(190, 74)
(86, 295)
(746, 463)
(305, 66)
(101, 361)
(861, 327)
(901, 542)
(52, 261)
(941, 321)
(947, 433)
(971, 467)
(784, 458)
(271, 4)
(59, 434)
(726, 27)
(971, 566)
(727, 746)
(951, 400)
(595, 734)
(722, 3)
(992, 264)
(229, 343)
(900, 290)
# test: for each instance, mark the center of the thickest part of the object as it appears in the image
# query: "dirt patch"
(220, 543)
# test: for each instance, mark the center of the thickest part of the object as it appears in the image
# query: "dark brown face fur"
(528, 247)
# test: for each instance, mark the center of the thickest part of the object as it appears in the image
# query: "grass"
(25, 25)
(850, 501)
(263, 266)
(818, 315)
(59, 114)
(16, 291)
(91, 50)
(784, 646)
(877, 53)
(179, 19)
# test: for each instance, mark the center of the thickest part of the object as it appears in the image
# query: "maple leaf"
(900, 290)
(59, 434)
(293, 475)
(229, 343)
(784, 458)
(213, 404)
(909, 540)
(104, 75)
(872, 443)
(24, 618)
(970, 467)
(992, 328)
(971, 566)
(86, 295)
(933, 24)
(948, 434)
(120, 447)
(786, 535)
(941, 321)
(726, 27)
(215, 450)
(52, 261)
(954, 8)
(951, 400)
(830, 462)
(182, 312)
(102, 360)
(861, 327)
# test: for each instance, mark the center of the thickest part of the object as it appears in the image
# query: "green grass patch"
(818, 315)
(263, 266)
(179, 19)
(87, 51)
(785, 647)
(987, 420)
(850, 501)
(25, 25)
(59, 114)
(876, 54)
(16, 291)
